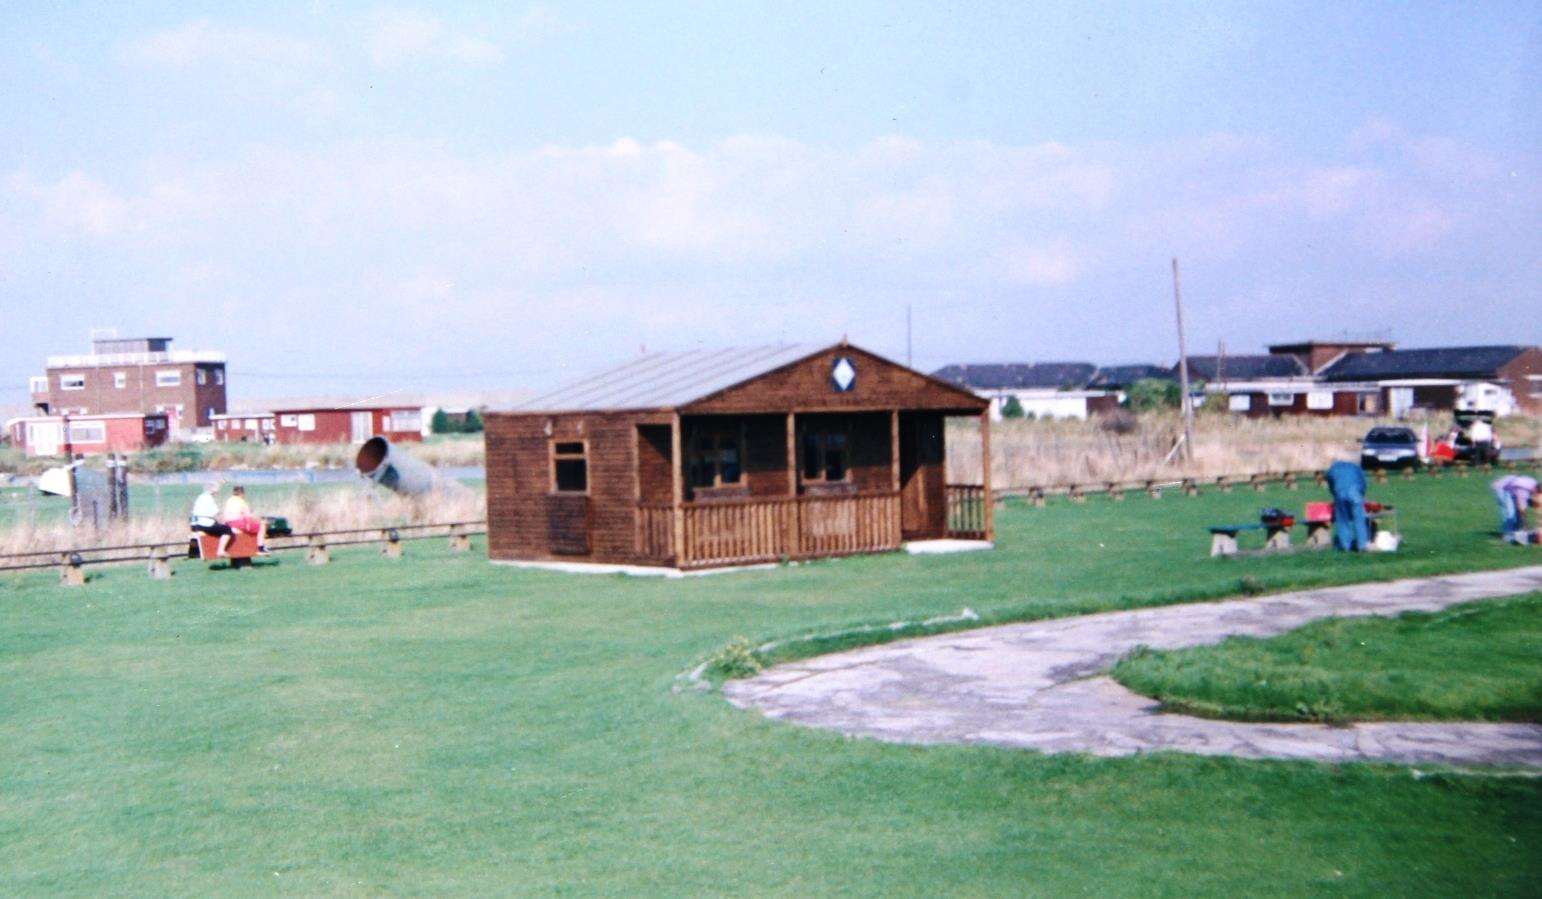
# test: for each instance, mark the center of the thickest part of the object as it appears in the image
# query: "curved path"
(1043, 685)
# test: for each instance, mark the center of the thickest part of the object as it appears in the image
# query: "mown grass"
(440, 725)
(1476, 661)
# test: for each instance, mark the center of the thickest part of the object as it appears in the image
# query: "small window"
(306, 422)
(715, 458)
(219, 376)
(570, 467)
(1319, 400)
(1239, 402)
(168, 377)
(88, 432)
(405, 420)
(119, 379)
(251, 424)
(202, 376)
(289, 421)
(1282, 399)
(72, 382)
(222, 424)
(825, 456)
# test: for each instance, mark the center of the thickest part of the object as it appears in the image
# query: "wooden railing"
(655, 531)
(771, 528)
(966, 511)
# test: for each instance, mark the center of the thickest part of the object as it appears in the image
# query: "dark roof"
(1006, 376)
(1125, 375)
(1244, 367)
(1439, 362)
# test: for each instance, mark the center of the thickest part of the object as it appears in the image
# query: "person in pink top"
(1516, 494)
(238, 517)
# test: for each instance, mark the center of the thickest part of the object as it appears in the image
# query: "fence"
(317, 544)
(1291, 480)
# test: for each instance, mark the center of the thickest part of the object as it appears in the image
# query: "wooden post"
(985, 473)
(1190, 487)
(393, 544)
(318, 554)
(460, 541)
(894, 470)
(1152, 490)
(794, 518)
(160, 564)
(1036, 497)
(71, 574)
(677, 483)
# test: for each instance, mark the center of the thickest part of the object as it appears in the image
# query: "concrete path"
(1041, 685)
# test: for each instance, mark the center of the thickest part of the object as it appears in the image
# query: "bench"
(1223, 537)
(241, 549)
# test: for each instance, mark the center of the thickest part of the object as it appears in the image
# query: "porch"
(746, 489)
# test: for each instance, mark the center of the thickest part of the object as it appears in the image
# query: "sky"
(356, 199)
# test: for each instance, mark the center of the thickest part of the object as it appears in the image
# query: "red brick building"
(58, 435)
(348, 424)
(142, 374)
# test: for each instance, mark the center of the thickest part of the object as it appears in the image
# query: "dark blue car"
(1390, 448)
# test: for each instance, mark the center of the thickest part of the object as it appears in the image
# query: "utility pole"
(1183, 370)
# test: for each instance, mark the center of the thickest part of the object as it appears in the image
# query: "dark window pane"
(811, 461)
(570, 449)
(835, 464)
(572, 475)
(730, 465)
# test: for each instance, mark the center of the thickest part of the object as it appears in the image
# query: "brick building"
(141, 374)
(58, 435)
(348, 424)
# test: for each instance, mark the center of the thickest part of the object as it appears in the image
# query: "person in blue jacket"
(1351, 530)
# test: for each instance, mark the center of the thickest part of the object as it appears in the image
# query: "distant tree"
(440, 423)
(1011, 408)
(473, 423)
(1149, 394)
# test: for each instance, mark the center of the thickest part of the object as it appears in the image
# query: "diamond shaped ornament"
(844, 374)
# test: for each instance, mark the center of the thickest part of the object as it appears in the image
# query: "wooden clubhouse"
(710, 458)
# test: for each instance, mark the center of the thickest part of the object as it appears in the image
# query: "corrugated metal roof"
(668, 380)
(1438, 362)
(1125, 375)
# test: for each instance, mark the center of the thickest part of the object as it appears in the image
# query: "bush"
(440, 423)
(1150, 394)
(473, 423)
(737, 659)
(1011, 408)
(1120, 421)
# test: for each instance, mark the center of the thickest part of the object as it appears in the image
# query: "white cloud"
(77, 203)
(404, 36)
(206, 42)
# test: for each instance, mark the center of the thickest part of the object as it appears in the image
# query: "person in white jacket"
(206, 517)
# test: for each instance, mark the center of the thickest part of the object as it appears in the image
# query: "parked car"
(1390, 448)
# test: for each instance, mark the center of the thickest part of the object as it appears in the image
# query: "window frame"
(161, 375)
(822, 435)
(97, 428)
(731, 433)
(554, 456)
(119, 380)
(66, 379)
(305, 421)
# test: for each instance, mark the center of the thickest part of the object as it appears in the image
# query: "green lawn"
(440, 725)
(1476, 662)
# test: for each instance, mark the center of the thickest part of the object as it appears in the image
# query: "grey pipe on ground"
(394, 469)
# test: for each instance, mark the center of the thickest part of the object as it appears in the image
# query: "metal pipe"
(392, 468)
